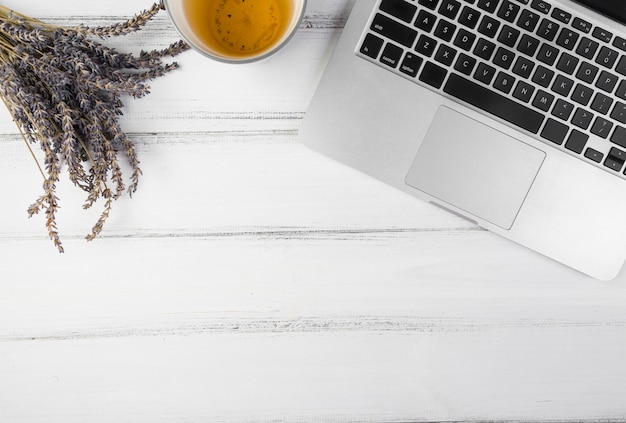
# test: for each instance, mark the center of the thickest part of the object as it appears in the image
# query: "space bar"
(494, 103)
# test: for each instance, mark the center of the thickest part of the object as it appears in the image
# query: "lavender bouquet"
(64, 91)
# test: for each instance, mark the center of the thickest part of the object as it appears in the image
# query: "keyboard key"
(619, 136)
(621, 90)
(488, 26)
(504, 82)
(411, 64)
(543, 76)
(445, 55)
(433, 75)
(508, 36)
(465, 64)
(464, 39)
(602, 34)
(619, 112)
(562, 109)
(621, 66)
(431, 4)
(602, 127)
(494, 103)
(615, 160)
(523, 67)
(562, 85)
(542, 6)
(469, 17)
(587, 72)
(391, 55)
(504, 58)
(607, 81)
(602, 103)
(543, 100)
(445, 30)
(425, 20)
(509, 11)
(576, 141)
(488, 5)
(400, 9)
(547, 54)
(523, 91)
(561, 15)
(567, 63)
(607, 57)
(450, 8)
(528, 45)
(484, 49)
(484, 73)
(554, 131)
(394, 30)
(581, 25)
(425, 45)
(528, 20)
(372, 46)
(548, 29)
(587, 48)
(582, 118)
(594, 155)
(620, 43)
(582, 94)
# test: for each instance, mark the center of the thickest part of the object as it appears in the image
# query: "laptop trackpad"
(474, 167)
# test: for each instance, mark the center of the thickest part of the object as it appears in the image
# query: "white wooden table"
(251, 279)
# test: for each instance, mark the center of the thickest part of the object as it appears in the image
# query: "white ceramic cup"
(179, 13)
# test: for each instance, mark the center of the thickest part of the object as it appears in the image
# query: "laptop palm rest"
(474, 168)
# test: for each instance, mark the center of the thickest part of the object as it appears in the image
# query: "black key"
(615, 160)
(523, 67)
(450, 8)
(484, 49)
(494, 103)
(371, 46)
(607, 81)
(576, 141)
(425, 20)
(400, 9)
(484, 73)
(582, 118)
(602, 103)
(547, 54)
(394, 30)
(607, 57)
(543, 76)
(587, 48)
(528, 20)
(465, 64)
(488, 5)
(469, 17)
(504, 58)
(411, 64)
(620, 43)
(567, 63)
(619, 136)
(581, 25)
(587, 72)
(619, 112)
(621, 90)
(567, 39)
(594, 155)
(602, 127)
(562, 109)
(523, 91)
(528, 45)
(426, 45)
(445, 55)
(562, 85)
(621, 66)
(433, 75)
(617, 154)
(542, 6)
(488, 26)
(509, 11)
(543, 100)
(504, 82)
(548, 29)
(391, 55)
(445, 30)
(508, 36)
(554, 131)
(602, 34)
(582, 94)
(464, 39)
(561, 15)
(431, 4)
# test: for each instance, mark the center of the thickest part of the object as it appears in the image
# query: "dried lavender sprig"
(123, 28)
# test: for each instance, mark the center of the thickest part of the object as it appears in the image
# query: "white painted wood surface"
(251, 279)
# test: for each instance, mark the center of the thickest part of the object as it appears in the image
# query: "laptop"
(510, 113)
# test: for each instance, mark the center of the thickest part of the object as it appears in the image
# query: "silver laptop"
(511, 113)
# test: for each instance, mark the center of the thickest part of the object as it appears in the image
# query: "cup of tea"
(236, 31)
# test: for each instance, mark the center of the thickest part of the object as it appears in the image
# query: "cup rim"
(252, 59)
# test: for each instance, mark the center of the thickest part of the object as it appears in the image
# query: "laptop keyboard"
(538, 67)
